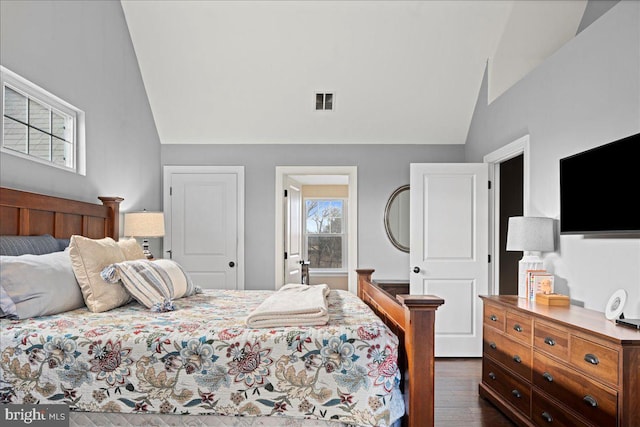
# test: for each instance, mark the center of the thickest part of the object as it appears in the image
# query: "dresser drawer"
(545, 412)
(551, 340)
(494, 317)
(519, 327)
(513, 355)
(595, 359)
(594, 401)
(514, 391)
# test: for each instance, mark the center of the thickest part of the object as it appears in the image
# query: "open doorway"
(316, 222)
(511, 204)
(509, 175)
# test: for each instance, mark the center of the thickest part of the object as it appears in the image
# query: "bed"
(128, 366)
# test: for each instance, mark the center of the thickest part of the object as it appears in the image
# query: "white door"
(293, 231)
(449, 249)
(204, 210)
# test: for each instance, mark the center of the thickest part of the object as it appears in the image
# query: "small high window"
(40, 126)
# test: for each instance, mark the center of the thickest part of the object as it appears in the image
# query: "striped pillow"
(33, 245)
(154, 284)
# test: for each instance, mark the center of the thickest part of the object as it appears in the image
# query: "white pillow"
(154, 284)
(38, 285)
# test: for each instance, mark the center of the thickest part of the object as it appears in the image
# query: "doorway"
(509, 175)
(511, 204)
(314, 176)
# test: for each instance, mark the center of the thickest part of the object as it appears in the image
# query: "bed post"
(419, 338)
(412, 317)
(113, 223)
(364, 276)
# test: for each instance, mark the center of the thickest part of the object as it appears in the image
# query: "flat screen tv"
(600, 189)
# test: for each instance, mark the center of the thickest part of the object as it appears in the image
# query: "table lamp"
(144, 224)
(531, 235)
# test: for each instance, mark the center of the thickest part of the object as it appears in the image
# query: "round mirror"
(396, 218)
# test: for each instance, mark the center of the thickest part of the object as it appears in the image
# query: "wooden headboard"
(29, 214)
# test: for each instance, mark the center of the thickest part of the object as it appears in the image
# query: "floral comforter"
(201, 359)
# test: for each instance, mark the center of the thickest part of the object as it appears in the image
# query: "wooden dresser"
(559, 366)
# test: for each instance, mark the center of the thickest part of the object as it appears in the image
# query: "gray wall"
(381, 169)
(82, 52)
(585, 95)
(594, 10)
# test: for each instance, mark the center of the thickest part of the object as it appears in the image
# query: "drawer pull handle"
(492, 375)
(547, 376)
(516, 393)
(550, 341)
(493, 345)
(591, 358)
(589, 400)
(547, 417)
(493, 318)
(517, 328)
(517, 359)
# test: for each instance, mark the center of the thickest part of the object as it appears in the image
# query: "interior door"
(293, 231)
(204, 227)
(449, 249)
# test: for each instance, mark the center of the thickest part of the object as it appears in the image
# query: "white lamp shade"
(528, 233)
(144, 224)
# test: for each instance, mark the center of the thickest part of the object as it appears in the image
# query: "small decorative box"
(552, 299)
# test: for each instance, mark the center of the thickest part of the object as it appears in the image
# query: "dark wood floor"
(457, 402)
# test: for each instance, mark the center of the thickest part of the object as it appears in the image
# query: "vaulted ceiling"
(402, 72)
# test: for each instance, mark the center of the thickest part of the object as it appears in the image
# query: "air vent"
(324, 101)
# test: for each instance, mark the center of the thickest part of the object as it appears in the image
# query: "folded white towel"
(292, 305)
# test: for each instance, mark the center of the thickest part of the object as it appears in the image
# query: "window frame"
(343, 234)
(36, 93)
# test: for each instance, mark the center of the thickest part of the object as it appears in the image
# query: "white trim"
(493, 159)
(352, 216)
(33, 91)
(328, 273)
(168, 170)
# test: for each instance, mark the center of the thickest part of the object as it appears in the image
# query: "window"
(40, 126)
(325, 235)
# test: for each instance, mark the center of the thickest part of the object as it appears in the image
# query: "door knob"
(232, 264)
(416, 269)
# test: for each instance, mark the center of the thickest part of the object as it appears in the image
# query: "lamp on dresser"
(144, 224)
(532, 235)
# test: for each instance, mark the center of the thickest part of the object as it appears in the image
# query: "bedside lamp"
(531, 235)
(144, 224)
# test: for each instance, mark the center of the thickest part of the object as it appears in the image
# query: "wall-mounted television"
(600, 189)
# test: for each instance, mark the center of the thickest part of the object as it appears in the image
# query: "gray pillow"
(38, 285)
(21, 245)
(63, 244)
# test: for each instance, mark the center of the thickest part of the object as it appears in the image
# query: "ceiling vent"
(324, 101)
